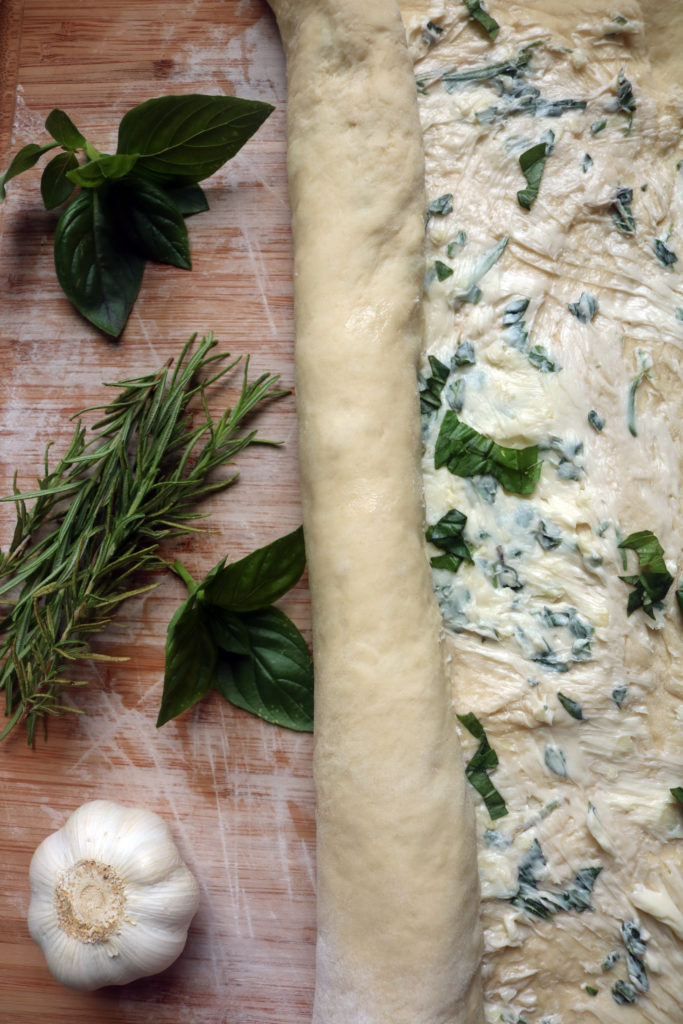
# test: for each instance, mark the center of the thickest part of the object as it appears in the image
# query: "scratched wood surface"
(236, 792)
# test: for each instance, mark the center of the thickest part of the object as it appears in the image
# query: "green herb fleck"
(539, 357)
(570, 706)
(585, 309)
(666, 256)
(442, 270)
(454, 247)
(590, 990)
(619, 695)
(464, 354)
(477, 13)
(448, 535)
(431, 33)
(532, 162)
(643, 374)
(548, 534)
(466, 453)
(544, 903)
(652, 583)
(441, 206)
(555, 759)
(623, 993)
(587, 162)
(622, 215)
(596, 421)
(477, 771)
(598, 126)
(625, 100)
(677, 793)
(610, 960)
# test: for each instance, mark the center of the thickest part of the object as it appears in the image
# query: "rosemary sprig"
(98, 517)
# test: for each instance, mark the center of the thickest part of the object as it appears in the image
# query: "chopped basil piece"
(515, 311)
(458, 242)
(555, 759)
(441, 206)
(619, 695)
(442, 270)
(448, 535)
(539, 357)
(455, 395)
(677, 793)
(548, 534)
(664, 254)
(587, 162)
(486, 487)
(570, 706)
(635, 951)
(544, 903)
(495, 840)
(466, 452)
(622, 215)
(430, 394)
(477, 13)
(483, 761)
(625, 100)
(679, 313)
(679, 597)
(610, 960)
(623, 993)
(464, 354)
(504, 575)
(590, 990)
(598, 126)
(511, 68)
(431, 33)
(596, 421)
(532, 161)
(653, 580)
(471, 294)
(644, 373)
(585, 309)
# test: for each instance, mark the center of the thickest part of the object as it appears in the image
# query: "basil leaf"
(598, 126)
(623, 993)
(570, 706)
(104, 168)
(677, 793)
(190, 662)
(622, 215)
(510, 68)
(466, 453)
(63, 130)
(477, 13)
(532, 161)
(259, 579)
(27, 157)
(447, 534)
(442, 206)
(189, 199)
(276, 681)
(484, 759)
(596, 421)
(545, 903)
(184, 139)
(442, 270)
(653, 581)
(228, 630)
(153, 225)
(555, 759)
(625, 100)
(101, 280)
(55, 187)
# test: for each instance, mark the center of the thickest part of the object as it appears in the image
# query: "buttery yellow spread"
(561, 326)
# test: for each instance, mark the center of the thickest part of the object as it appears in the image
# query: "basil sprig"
(652, 582)
(132, 203)
(466, 452)
(228, 636)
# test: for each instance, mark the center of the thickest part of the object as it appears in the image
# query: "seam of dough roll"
(398, 896)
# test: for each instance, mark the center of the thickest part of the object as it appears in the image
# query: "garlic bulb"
(111, 899)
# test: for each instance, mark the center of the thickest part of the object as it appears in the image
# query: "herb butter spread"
(551, 412)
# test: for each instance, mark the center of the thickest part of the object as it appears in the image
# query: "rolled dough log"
(398, 895)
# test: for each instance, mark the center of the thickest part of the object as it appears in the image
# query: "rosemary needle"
(98, 517)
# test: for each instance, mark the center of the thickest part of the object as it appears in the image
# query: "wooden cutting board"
(236, 792)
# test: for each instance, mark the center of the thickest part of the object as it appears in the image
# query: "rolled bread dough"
(398, 896)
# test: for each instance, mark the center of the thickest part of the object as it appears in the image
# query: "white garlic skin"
(154, 896)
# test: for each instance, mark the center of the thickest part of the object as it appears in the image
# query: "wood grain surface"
(237, 793)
